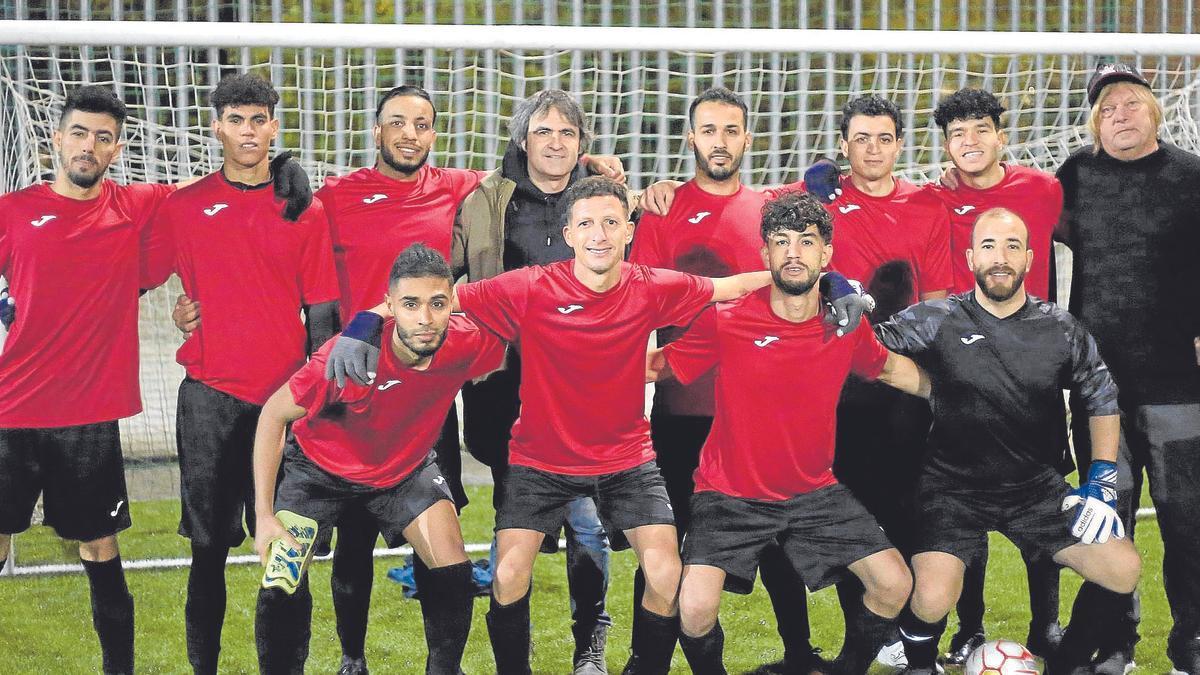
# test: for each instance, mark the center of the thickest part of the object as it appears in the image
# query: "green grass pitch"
(45, 623)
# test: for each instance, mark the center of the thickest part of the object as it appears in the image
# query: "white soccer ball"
(1000, 657)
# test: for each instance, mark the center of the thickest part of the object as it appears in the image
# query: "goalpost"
(635, 83)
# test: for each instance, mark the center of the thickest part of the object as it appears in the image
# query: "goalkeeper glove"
(8, 309)
(1095, 501)
(847, 301)
(822, 180)
(291, 184)
(355, 353)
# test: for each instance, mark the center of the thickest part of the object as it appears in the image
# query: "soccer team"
(760, 451)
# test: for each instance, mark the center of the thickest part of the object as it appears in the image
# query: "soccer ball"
(1000, 657)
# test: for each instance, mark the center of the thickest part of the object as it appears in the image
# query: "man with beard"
(765, 474)
(239, 255)
(1130, 216)
(974, 140)
(511, 221)
(998, 361)
(357, 449)
(582, 325)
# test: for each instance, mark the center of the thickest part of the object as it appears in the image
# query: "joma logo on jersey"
(962, 210)
(848, 208)
(569, 308)
(971, 339)
(766, 340)
(374, 198)
(695, 220)
(215, 209)
(42, 221)
(388, 385)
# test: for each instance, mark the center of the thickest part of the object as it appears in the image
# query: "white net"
(637, 100)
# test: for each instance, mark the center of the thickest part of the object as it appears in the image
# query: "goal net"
(637, 100)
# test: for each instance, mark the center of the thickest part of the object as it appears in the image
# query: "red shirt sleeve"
(645, 242)
(696, 352)
(498, 304)
(489, 353)
(308, 385)
(935, 272)
(776, 192)
(869, 355)
(156, 244)
(318, 279)
(680, 296)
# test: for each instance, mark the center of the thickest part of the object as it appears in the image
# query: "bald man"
(998, 361)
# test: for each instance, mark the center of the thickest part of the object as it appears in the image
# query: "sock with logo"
(920, 639)
(112, 613)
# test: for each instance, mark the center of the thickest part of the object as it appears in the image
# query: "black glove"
(291, 184)
(822, 180)
(847, 301)
(355, 353)
(8, 309)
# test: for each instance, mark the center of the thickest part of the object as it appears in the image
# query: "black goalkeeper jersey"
(997, 385)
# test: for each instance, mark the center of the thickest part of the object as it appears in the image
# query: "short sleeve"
(308, 385)
(869, 356)
(465, 181)
(498, 304)
(679, 296)
(696, 352)
(489, 353)
(318, 278)
(646, 250)
(935, 272)
(156, 250)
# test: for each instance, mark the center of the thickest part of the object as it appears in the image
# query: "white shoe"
(892, 655)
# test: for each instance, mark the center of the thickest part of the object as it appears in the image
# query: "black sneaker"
(961, 646)
(1044, 641)
(589, 650)
(353, 666)
(1114, 662)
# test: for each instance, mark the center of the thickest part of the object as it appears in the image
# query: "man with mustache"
(998, 360)
(765, 474)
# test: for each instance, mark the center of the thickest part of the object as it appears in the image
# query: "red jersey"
(777, 390)
(583, 359)
(372, 218)
(74, 267)
(1034, 195)
(705, 234)
(252, 271)
(378, 434)
(905, 225)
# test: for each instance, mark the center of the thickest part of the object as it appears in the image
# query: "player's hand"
(1095, 501)
(186, 315)
(608, 166)
(8, 309)
(355, 353)
(949, 178)
(657, 198)
(848, 302)
(823, 180)
(291, 184)
(268, 529)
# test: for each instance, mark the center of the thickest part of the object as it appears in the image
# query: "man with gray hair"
(1130, 216)
(514, 220)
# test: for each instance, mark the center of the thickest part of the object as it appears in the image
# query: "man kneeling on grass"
(368, 448)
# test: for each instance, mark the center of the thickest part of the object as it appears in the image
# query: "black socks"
(704, 653)
(920, 639)
(204, 612)
(866, 634)
(112, 613)
(351, 583)
(446, 603)
(508, 629)
(653, 642)
(282, 627)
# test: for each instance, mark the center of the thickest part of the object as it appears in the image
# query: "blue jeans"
(587, 564)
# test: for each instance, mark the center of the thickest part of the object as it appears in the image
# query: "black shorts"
(821, 532)
(214, 433)
(538, 500)
(311, 491)
(78, 470)
(956, 519)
